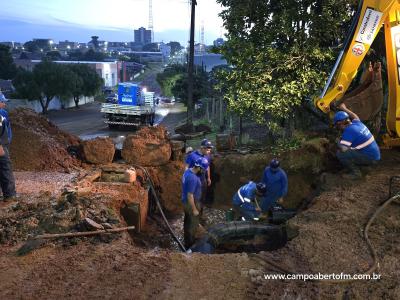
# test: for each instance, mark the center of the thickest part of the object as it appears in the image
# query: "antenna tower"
(202, 44)
(151, 20)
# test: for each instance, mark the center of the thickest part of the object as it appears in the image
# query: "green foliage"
(8, 70)
(175, 47)
(283, 145)
(169, 77)
(281, 53)
(26, 86)
(50, 79)
(86, 82)
(90, 55)
(53, 55)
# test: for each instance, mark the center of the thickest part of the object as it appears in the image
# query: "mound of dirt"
(38, 145)
(149, 147)
(331, 241)
(168, 183)
(98, 151)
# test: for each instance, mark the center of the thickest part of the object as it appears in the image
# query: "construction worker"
(275, 180)
(191, 195)
(7, 181)
(203, 152)
(357, 145)
(245, 197)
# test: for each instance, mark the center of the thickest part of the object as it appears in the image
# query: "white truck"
(135, 107)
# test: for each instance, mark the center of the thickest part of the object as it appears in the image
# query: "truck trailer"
(135, 107)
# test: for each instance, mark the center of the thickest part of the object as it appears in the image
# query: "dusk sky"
(77, 20)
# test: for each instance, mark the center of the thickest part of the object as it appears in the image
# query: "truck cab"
(134, 107)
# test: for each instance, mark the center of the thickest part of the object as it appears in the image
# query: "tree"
(175, 47)
(26, 86)
(8, 70)
(168, 78)
(281, 52)
(87, 82)
(201, 86)
(151, 47)
(53, 80)
(95, 42)
(53, 55)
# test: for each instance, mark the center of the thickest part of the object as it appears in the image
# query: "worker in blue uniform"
(205, 177)
(191, 195)
(276, 182)
(7, 182)
(245, 203)
(357, 146)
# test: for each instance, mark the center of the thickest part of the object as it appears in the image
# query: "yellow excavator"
(367, 100)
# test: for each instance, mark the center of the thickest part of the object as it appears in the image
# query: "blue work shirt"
(358, 137)
(190, 184)
(5, 129)
(276, 182)
(193, 157)
(245, 195)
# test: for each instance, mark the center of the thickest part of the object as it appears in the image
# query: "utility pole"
(190, 104)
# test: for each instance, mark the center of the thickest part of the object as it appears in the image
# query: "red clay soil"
(330, 241)
(168, 183)
(148, 147)
(38, 145)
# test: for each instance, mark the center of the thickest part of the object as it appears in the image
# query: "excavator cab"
(367, 99)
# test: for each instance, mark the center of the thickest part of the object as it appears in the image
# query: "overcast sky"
(112, 20)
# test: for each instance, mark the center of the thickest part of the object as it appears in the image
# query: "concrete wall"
(55, 104)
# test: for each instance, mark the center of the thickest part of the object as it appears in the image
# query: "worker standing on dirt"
(357, 146)
(191, 195)
(7, 181)
(276, 182)
(245, 203)
(204, 152)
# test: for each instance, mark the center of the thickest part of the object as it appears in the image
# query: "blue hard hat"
(206, 144)
(261, 188)
(202, 163)
(340, 116)
(274, 163)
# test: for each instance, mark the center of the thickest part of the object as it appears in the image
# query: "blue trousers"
(245, 212)
(268, 202)
(351, 159)
(7, 181)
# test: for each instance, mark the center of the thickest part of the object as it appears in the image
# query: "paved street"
(87, 122)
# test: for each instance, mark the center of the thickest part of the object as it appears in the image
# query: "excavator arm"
(371, 15)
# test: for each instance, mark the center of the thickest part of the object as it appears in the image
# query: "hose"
(372, 250)
(153, 191)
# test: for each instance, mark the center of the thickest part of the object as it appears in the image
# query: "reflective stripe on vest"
(365, 144)
(243, 199)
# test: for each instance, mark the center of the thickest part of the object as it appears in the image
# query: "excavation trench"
(304, 170)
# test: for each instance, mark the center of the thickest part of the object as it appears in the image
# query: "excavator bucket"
(367, 99)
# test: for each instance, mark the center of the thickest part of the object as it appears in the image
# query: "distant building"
(143, 36)
(130, 70)
(165, 50)
(219, 42)
(209, 61)
(109, 71)
(12, 45)
(67, 45)
(145, 56)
